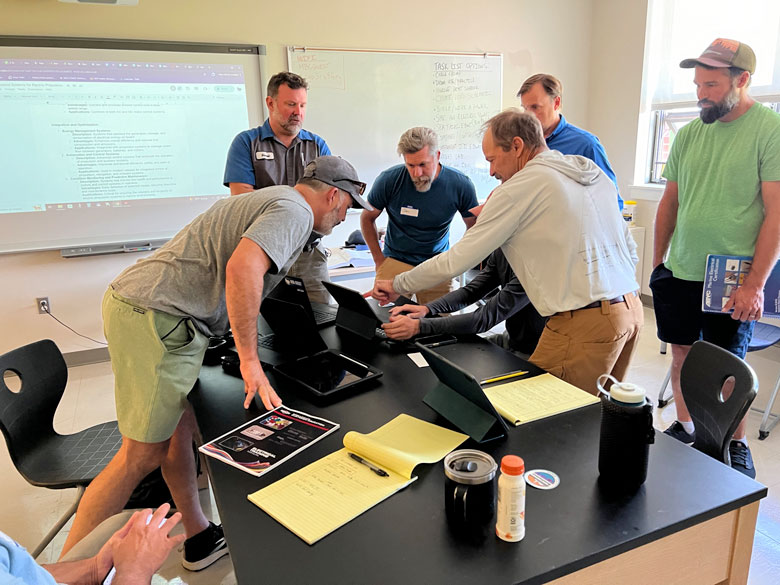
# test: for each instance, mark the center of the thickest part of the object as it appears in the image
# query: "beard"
(718, 109)
(422, 184)
(329, 221)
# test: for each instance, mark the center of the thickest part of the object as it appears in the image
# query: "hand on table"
(401, 327)
(255, 382)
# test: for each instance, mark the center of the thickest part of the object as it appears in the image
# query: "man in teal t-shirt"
(421, 197)
(722, 196)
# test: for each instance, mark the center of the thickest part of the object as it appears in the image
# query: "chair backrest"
(27, 416)
(702, 379)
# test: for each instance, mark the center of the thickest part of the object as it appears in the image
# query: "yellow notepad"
(533, 398)
(325, 495)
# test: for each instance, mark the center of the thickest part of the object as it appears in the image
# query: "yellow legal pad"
(325, 495)
(533, 398)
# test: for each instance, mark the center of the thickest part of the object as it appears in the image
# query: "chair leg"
(662, 392)
(60, 523)
(766, 423)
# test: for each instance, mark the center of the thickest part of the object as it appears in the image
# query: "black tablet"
(328, 374)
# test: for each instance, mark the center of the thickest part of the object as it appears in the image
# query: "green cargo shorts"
(156, 358)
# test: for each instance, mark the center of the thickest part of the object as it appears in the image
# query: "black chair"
(704, 373)
(42, 456)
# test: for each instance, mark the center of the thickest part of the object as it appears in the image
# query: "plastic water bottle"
(510, 517)
(628, 212)
(626, 434)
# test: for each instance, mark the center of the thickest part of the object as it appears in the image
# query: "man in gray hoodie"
(555, 219)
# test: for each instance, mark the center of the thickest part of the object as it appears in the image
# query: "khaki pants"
(578, 346)
(391, 267)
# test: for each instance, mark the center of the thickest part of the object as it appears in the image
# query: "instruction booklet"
(263, 443)
(725, 274)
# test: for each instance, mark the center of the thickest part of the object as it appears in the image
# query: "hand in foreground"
(383, 292)
(255, 382)
(747, 302)
(142, 548)
(412, 311)
(401, 327)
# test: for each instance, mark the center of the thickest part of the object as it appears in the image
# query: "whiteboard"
(361, 101)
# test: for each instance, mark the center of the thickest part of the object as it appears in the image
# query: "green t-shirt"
(719, 168)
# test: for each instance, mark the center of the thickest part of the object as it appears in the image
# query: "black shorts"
(681, 321)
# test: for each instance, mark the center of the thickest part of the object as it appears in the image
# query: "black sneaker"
(204, 548)
(741, 459)
(677, 431)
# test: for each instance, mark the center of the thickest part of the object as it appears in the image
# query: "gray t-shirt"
(186, 277)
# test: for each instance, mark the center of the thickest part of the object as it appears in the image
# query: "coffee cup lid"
(628, 393)
(469, 466)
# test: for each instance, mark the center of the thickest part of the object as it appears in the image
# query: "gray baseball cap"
(337, 172)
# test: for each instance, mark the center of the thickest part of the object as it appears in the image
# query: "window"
(679, 30)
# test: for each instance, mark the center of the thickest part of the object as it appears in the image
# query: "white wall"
(531, 36)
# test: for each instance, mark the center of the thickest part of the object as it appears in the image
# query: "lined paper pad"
(538, 397)
(321, 497)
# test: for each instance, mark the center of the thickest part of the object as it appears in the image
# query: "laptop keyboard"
(322, 316)
(266, 341)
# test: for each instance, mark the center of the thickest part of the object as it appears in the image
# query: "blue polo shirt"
(17, 567)
(257, 157)
(569, 139)
(418, 224)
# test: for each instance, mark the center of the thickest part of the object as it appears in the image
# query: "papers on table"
(342, 257)
(325, 495)
(533, 398)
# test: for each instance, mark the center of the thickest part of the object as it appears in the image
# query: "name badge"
(410, 211)
(262, 155)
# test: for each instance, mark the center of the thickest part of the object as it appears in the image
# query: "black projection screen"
(110, 142)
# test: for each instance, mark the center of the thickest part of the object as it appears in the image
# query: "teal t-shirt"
(418, 225)
(719, 169)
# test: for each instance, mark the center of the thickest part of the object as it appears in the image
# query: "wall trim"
(86, 356)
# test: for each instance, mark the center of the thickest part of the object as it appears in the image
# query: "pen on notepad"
(504, 377)
(379, 471)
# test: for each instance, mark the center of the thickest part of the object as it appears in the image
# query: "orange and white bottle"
(510, 517)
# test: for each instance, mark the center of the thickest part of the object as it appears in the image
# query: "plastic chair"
(42, 456)
(764, 335)
(702, 378)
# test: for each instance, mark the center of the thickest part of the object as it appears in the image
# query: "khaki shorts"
(156, 358)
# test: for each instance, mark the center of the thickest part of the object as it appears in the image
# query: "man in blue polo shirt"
(276, 154)
(540, 95)
(421, 197)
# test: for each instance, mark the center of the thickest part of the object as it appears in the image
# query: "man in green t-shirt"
(722, 196)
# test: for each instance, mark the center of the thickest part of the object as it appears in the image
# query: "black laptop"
(359, 315)
(292, 290)
(324, 374)
(459, 398)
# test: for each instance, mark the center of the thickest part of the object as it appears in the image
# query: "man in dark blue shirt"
(540, 95)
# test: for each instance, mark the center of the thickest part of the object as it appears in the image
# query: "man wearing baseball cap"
(722, 196)
(159, 313)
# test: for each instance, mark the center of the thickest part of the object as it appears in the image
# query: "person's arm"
(479, 286)
(83, 572)
(500, 218)
(243, 293)
(665, 222)
(748, 300)
(470, 221)
(371, 234)
(467, 203)
(239, 171)
(239, 188)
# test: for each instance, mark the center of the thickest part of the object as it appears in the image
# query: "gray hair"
(417, 138)
(512, 122)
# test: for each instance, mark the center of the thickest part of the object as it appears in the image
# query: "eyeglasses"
(361, 186)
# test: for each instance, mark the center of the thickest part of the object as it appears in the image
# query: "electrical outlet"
(43, 305)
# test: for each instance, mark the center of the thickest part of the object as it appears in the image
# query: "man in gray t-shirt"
(158, 315)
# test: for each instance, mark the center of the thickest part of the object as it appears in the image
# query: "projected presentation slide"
(81, 133)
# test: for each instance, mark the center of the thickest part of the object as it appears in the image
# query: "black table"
(693, 519)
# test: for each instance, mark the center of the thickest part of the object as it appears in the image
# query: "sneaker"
(204, 548)
(677, 431)
(741, 459)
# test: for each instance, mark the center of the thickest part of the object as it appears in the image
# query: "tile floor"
(26, 512)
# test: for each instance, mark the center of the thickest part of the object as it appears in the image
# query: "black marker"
(371, 466)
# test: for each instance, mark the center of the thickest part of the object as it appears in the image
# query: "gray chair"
(764, 336)
(41, 455)
(704, 373)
